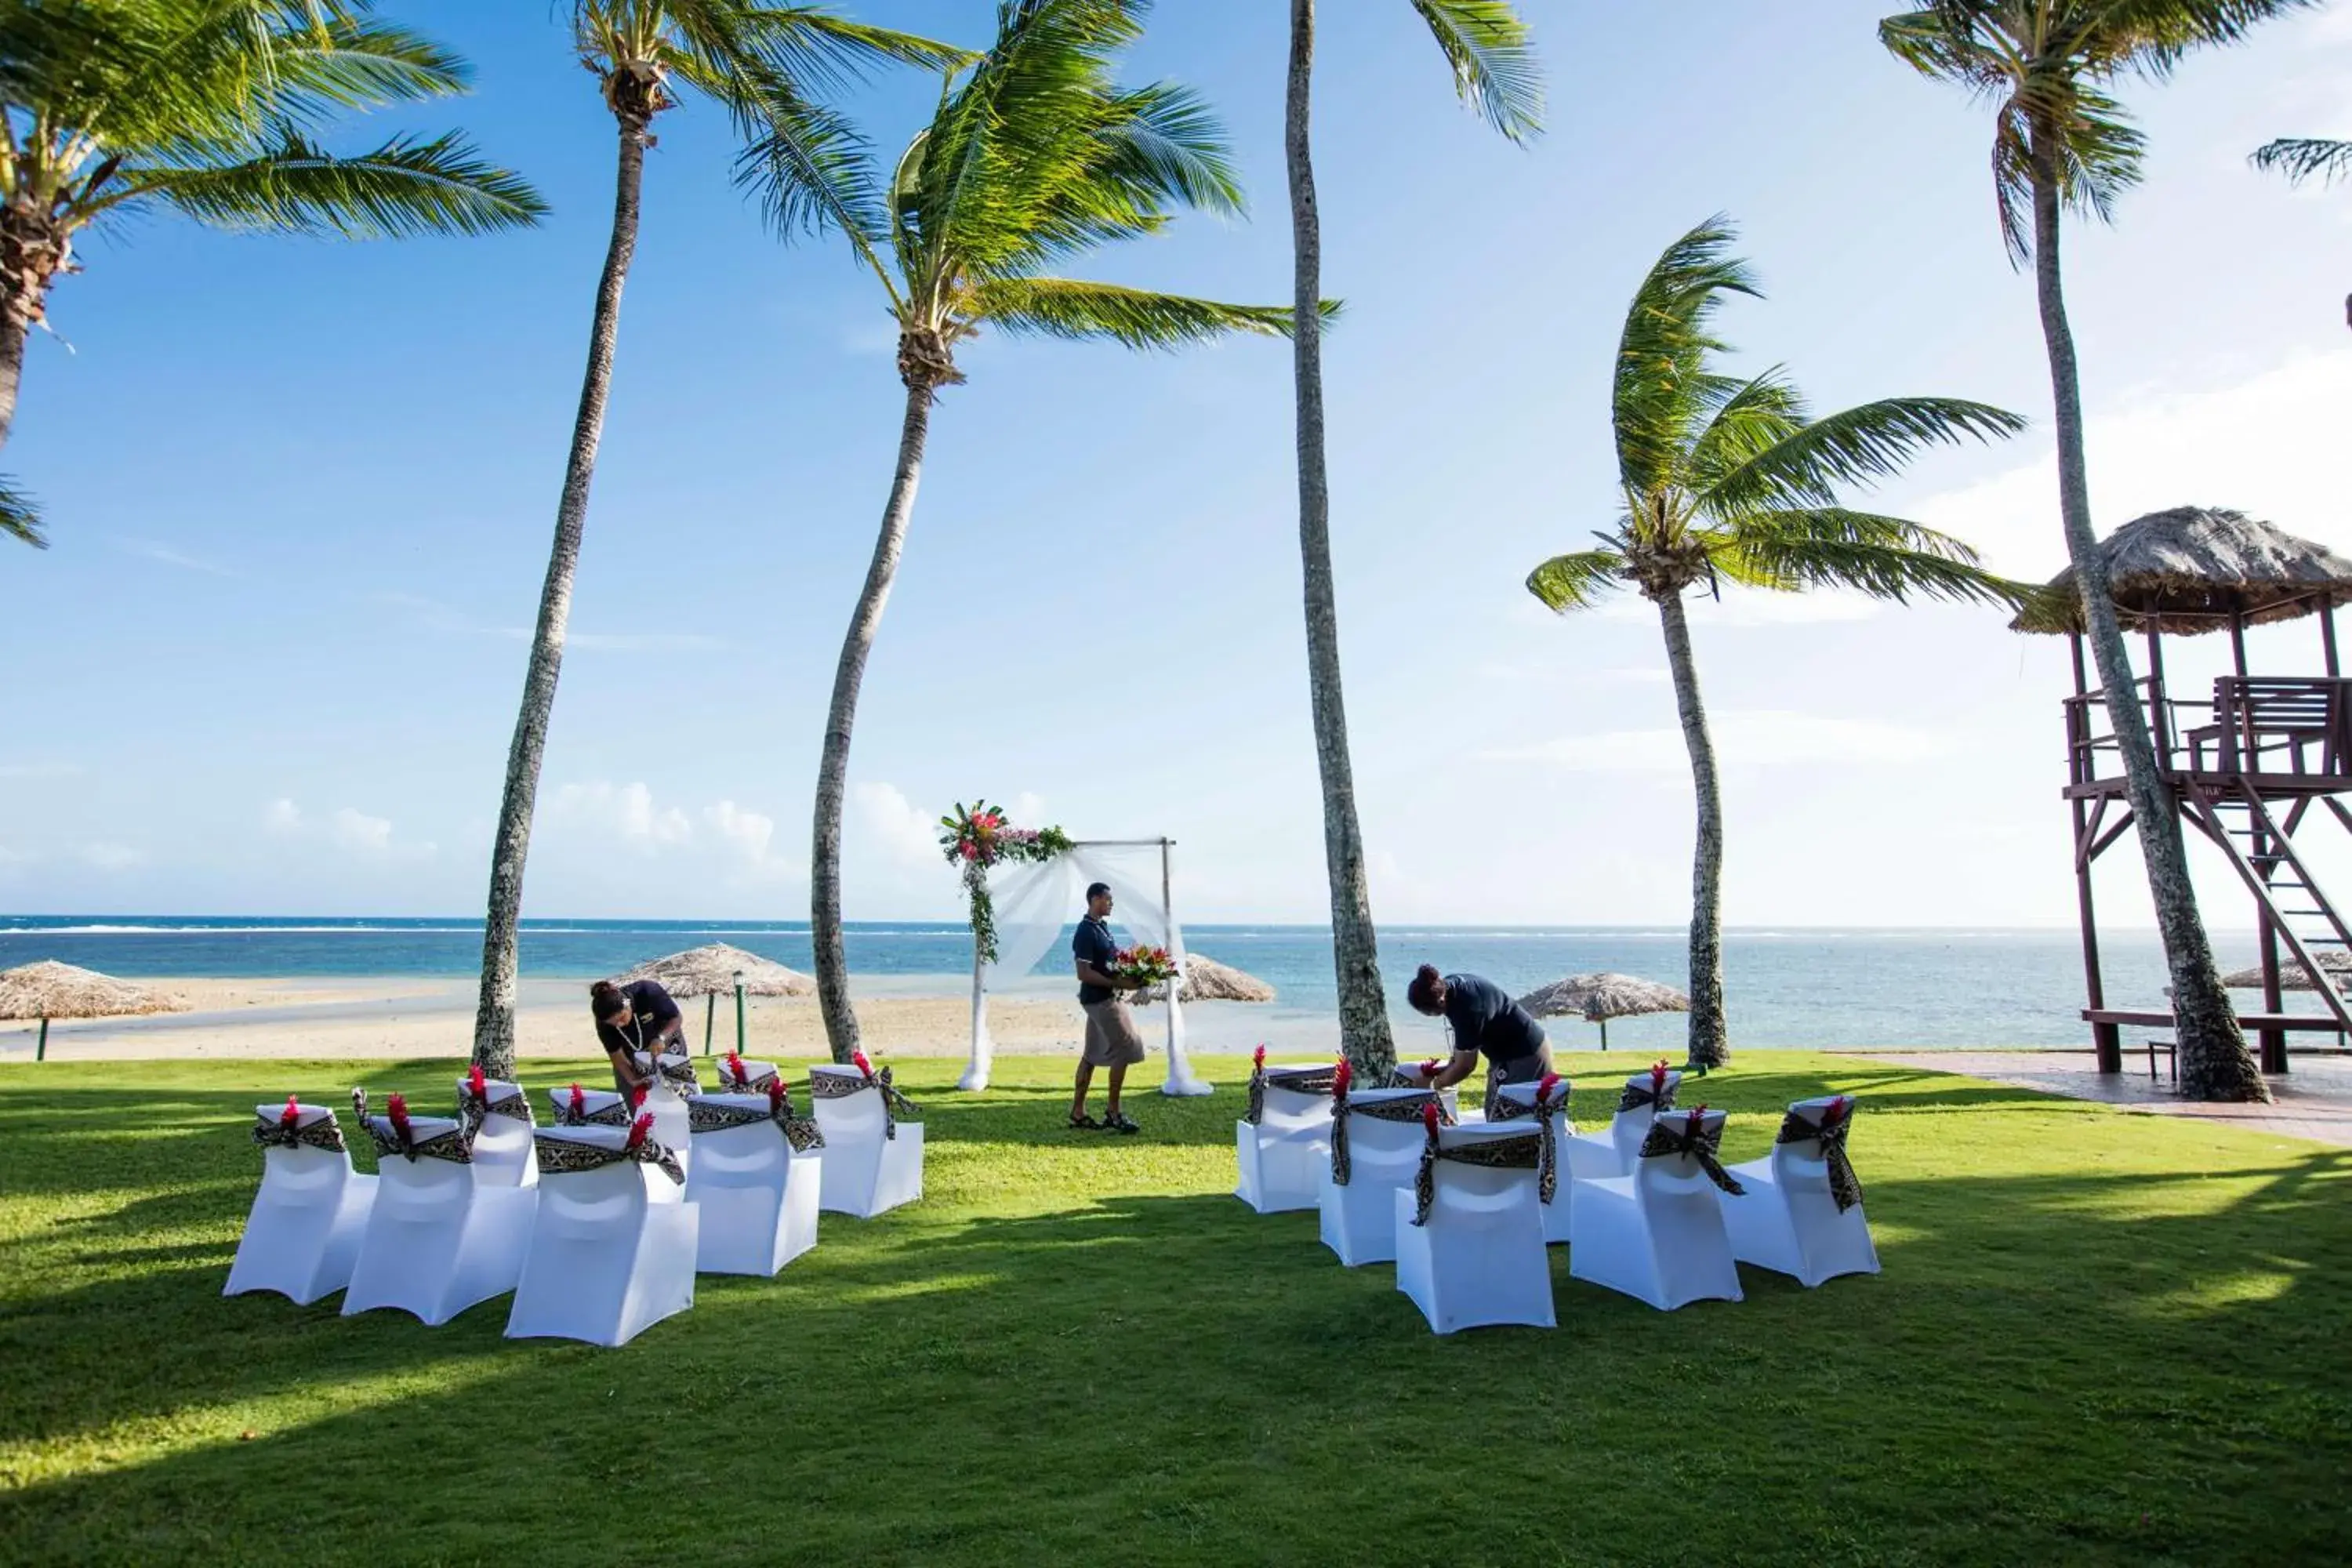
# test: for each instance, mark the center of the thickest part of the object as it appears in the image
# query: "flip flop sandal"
(1119, 1123)
(1085, 1124)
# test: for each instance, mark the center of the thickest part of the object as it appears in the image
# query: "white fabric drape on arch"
(1035, 903)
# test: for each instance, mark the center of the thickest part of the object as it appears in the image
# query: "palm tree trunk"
(833, 769)
(494, 1023)
(1710, 1043)
(1364, 1007)
(2214, 1061)
(14, 331)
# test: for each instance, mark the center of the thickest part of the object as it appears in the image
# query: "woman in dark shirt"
(1485, 1023)
(638, 1017)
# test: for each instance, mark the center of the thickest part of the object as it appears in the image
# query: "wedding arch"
(1028, 885)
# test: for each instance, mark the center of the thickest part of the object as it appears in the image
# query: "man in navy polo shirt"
(1112, 1040)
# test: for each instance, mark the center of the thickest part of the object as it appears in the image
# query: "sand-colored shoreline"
(343, 1017)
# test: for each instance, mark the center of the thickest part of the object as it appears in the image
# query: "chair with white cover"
(578, 1107)
(613, 1250)
(670, 1082)
(757, 1168)
(1545, 1103)
(1658, 1235)
(1282, 1147)
(739, 1074)
(303, 1233)
(502, 1121)
(1376, 1142)
(1802, 1215)
(1612, 1150)
(438, 1239)
(872, 1159)
(1469, 1236)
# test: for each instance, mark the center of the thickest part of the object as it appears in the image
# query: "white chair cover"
(438, 1240)
(1799, 1218)
(1611, 1153)
(613, 1249)
(502, 1128)
(1658, 1235)
(1516, 1102)
(1478, 1257)
(1382, 1146)
(758, 1197)
(664, 1099)
(1282, 1147)
(753, 1078)
(873, 1154)
(302, 1235)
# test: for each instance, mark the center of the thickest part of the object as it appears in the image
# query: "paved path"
(2314, 1101)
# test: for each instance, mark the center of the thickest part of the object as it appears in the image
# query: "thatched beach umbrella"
(49, 990)
(1597, 998)
(1206, 980)
(2192, 569)
(715, 969)
(2292, 975)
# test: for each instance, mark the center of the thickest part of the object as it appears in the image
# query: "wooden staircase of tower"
(2262, 849)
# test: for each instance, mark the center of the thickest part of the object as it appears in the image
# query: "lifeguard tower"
(2246, 767)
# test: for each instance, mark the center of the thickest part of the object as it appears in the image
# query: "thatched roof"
(1206, 980)
(711, 970)
(2291, 976)
(52, 990)
(1594, 998)
(2188, 568)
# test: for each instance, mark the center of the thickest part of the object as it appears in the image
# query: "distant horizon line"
(133, 923)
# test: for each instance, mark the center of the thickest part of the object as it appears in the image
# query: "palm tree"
(759, 60)
(2061, 140)
(1494, 72)
(113, 109)
(1730, 480)
(2300, 157)
(1032, 159)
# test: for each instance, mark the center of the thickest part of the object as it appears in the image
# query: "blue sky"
(301, 493)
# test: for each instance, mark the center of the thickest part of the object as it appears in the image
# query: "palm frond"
(1749, 417)
(1662, 388)
(1576, 581)
(1885, 557)
(20, 519)
(404, 188)
(812, 169)
(1809, 464)
(1494, 66)
(1166, 144)
(2299, 158)
(1066, 308)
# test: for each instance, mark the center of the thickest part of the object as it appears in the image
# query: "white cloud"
(148, 550)
(2270, 447)
(346, 828)
(623, 815)
(907, 833)
(1743, 739)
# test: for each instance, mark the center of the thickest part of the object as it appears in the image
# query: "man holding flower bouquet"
(1112, 1039)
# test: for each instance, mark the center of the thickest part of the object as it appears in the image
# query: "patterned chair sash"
(1296, 1080)
(1404, 1108)
(1658, 1092)
(563, 1156)
(839, 1086)
(1837, 1121)
(1692, 1134)
(277, 1132)
(734, 1078)
(391, 1136)
(1528, 1151)
(474, 1108)
(1546, 1110)
(676, 1070)
(613, 1115)
(703, 1116)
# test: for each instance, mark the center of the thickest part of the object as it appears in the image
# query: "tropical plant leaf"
(1885, 557)
(404, 188)
(1663, 387)
(1809, 464)
(1063, 308)
(1577, 581)
(812, 169)
(2299, 158)
(20, 519)
(1495, 65)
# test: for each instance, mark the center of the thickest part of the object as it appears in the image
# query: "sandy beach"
(350, 1016)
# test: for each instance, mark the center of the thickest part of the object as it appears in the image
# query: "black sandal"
(1084, 1123)
(1118, 1123)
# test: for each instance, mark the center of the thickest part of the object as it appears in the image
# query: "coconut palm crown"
(116, 109)
(1034, 157)
(1726, 479)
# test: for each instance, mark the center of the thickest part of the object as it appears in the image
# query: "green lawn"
(2099, 1337)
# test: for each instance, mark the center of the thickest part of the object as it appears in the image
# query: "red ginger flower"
(1429, 1068)
(1341, 1076)
(1836, 1113)
(735, 1069)
(1551, 1081)
(638, 1096)
(857, 1059)
(397, 1110)
(1428, 1119)
(1658, 1076)
(476, 1084)
(1697, 1112)
(776, 1094)
(640, 1129)
(579, 1101)
(291, 1115)
(1257, 1057)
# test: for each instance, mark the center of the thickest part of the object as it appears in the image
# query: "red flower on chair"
(579, 1103)
(1836, 1112)
(1430, 1069)
(1544, 1088)
(734, 1070)
(1258, 1058)
(776, 1092)
(291, 1116)
(638, 1096)
(1341, 1076)
(477, 1086)
(396, 1110)
(1428, 1119)
(640, 1130)
(1658, 1077)
(857, 1059)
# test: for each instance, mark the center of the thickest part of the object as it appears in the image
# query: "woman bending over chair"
(1484, 1022)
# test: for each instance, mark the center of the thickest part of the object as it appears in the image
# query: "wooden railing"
(2261, 725)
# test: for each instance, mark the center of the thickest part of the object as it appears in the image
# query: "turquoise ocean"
(1794, 987)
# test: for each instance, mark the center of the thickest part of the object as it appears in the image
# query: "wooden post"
(41, 1047)
(1167, 913)
(2273, 1041)
(2159, 721)
(2327, 638)
(2106, 1039)
(710, 1018)
(2237, 639)
(738, 1013)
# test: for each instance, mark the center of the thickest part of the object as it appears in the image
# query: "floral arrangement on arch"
(976, 837)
